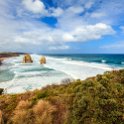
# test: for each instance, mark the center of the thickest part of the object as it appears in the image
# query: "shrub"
(43, 112)
(96, 100)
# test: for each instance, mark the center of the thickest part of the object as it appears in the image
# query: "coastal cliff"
(96, 100)
(7, 55)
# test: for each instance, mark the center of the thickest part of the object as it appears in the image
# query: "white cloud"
(88, 32)
(35, 6)
(75, 9)
(56, 12)
(68, 37)
(107, 11)
(61, 47)
(89, 4)
(98, 15)
(22, 33)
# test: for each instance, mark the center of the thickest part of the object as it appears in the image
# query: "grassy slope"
(96, 100)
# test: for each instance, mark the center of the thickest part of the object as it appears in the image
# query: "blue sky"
(62, 26)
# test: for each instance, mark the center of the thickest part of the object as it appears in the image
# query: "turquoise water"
(114, 60)
(17, 77)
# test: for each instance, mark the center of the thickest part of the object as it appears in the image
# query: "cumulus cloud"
(62, 47)
(109, 12)
(30, 33)
(35, 6)
(56, 12)
(89, 32)
(52, 36)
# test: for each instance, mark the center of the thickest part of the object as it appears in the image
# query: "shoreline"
(6, 55)
(33, 76)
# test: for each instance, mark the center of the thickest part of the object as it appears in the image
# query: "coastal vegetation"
(96, 100)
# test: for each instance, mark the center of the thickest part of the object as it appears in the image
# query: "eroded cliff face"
(7, 55)
(27, 59)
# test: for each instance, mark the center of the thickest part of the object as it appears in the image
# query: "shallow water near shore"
(17, 77)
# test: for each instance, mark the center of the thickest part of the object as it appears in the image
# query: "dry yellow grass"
(44, 112)
(41, 113)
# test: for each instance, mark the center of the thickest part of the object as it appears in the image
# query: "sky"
(62, 26)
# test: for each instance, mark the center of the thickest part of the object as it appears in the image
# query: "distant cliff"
(8, 54)
(5, 55)
(96, 100)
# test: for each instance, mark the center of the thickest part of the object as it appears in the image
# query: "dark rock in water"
(1, 91)
(27, 59)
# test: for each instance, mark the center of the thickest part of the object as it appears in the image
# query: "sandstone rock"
(1, 91)
(42, 60)
(27, 59)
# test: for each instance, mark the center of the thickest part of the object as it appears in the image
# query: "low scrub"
(96, 100)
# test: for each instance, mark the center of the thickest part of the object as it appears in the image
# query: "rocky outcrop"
(9, 54)
(1, 91)
(27, 59)
(42, 60)
(6, 55)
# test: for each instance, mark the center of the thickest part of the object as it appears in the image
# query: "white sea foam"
(34, 76)
(77, 69)
(103, 61)
(30, 76)
(122, 63)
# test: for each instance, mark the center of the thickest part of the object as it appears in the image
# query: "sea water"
(17, 77)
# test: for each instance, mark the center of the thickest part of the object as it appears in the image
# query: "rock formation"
(42, 60)
(27, 59)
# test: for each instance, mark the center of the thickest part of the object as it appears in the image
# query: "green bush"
(96, 100)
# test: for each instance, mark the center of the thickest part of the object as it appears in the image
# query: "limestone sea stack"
(43, 60)
(27, 59)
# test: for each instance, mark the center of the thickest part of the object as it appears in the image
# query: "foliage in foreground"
(96, 100)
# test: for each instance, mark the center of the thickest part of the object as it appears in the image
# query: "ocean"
(17, 77)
